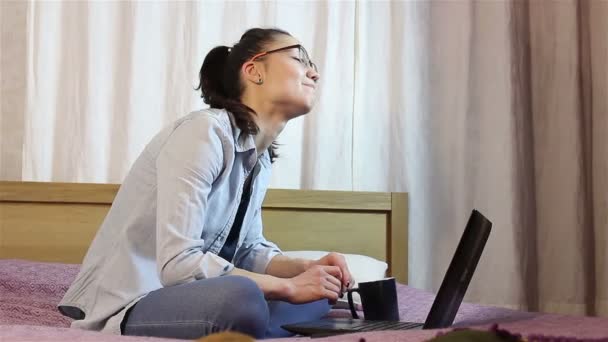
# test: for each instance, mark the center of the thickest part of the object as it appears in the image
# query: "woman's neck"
(270, 122)
(268, 132)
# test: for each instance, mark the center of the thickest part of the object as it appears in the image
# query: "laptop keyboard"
(381, 325)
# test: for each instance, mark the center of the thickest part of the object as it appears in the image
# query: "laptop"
(446, 303)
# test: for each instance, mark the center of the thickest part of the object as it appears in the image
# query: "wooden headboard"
(57, 221)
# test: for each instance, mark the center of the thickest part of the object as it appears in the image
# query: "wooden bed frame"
(56, 222)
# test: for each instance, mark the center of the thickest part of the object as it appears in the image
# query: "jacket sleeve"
(256, 252)
(188, 163)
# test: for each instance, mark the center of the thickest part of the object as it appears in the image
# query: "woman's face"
(289, 81)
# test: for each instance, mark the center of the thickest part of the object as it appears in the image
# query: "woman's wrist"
(305, 264)
(274, 288)
(279, 289)
(285, 267)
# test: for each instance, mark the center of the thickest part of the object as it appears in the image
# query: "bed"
(45, 229)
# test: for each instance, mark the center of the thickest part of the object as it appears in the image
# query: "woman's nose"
(314, 75)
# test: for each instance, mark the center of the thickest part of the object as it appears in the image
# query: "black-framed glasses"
(302, 58)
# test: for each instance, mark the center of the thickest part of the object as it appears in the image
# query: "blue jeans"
(206, 306)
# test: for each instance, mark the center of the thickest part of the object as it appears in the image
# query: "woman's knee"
(248, 312)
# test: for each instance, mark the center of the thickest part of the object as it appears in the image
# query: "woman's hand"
(318, 282)
(338, 260)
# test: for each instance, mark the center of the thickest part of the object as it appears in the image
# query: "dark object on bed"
(469, 335)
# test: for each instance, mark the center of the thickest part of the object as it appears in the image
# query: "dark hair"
(220, 82)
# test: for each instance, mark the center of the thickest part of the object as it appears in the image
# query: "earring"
(260, 81)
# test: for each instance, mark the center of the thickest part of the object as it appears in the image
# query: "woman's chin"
(309, 105)
(300, 110)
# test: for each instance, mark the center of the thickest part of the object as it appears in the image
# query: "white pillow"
(363, 268)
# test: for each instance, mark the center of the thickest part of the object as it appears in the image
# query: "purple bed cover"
(29, 292)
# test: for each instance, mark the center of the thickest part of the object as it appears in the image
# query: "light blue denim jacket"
(171, 217)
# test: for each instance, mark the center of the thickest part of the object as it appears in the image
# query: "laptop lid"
(459, 273)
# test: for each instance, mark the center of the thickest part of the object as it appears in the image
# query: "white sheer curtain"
(500, 105)
(103, 77)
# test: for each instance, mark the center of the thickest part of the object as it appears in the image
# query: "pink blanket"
(30, 291)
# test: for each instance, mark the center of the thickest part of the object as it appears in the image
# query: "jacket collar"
(242, 142)
(246, 143)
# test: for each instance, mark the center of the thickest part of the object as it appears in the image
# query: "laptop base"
(337, 326)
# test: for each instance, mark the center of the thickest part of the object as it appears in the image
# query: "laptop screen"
(459, 273)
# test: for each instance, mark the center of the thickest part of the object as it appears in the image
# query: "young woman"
(181, 252)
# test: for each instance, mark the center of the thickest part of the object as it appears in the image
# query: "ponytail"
(215, 74)
(211, 76)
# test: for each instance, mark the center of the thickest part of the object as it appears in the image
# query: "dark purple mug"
(379, 300)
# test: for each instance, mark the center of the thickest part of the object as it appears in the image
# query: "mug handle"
(351, 305)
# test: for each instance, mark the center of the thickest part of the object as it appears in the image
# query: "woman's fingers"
(334, 271)
(331, 295)
(332, 284)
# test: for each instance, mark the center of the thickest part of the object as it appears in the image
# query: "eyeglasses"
(302, 58)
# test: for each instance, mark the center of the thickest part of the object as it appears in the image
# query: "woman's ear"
(252, 73)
